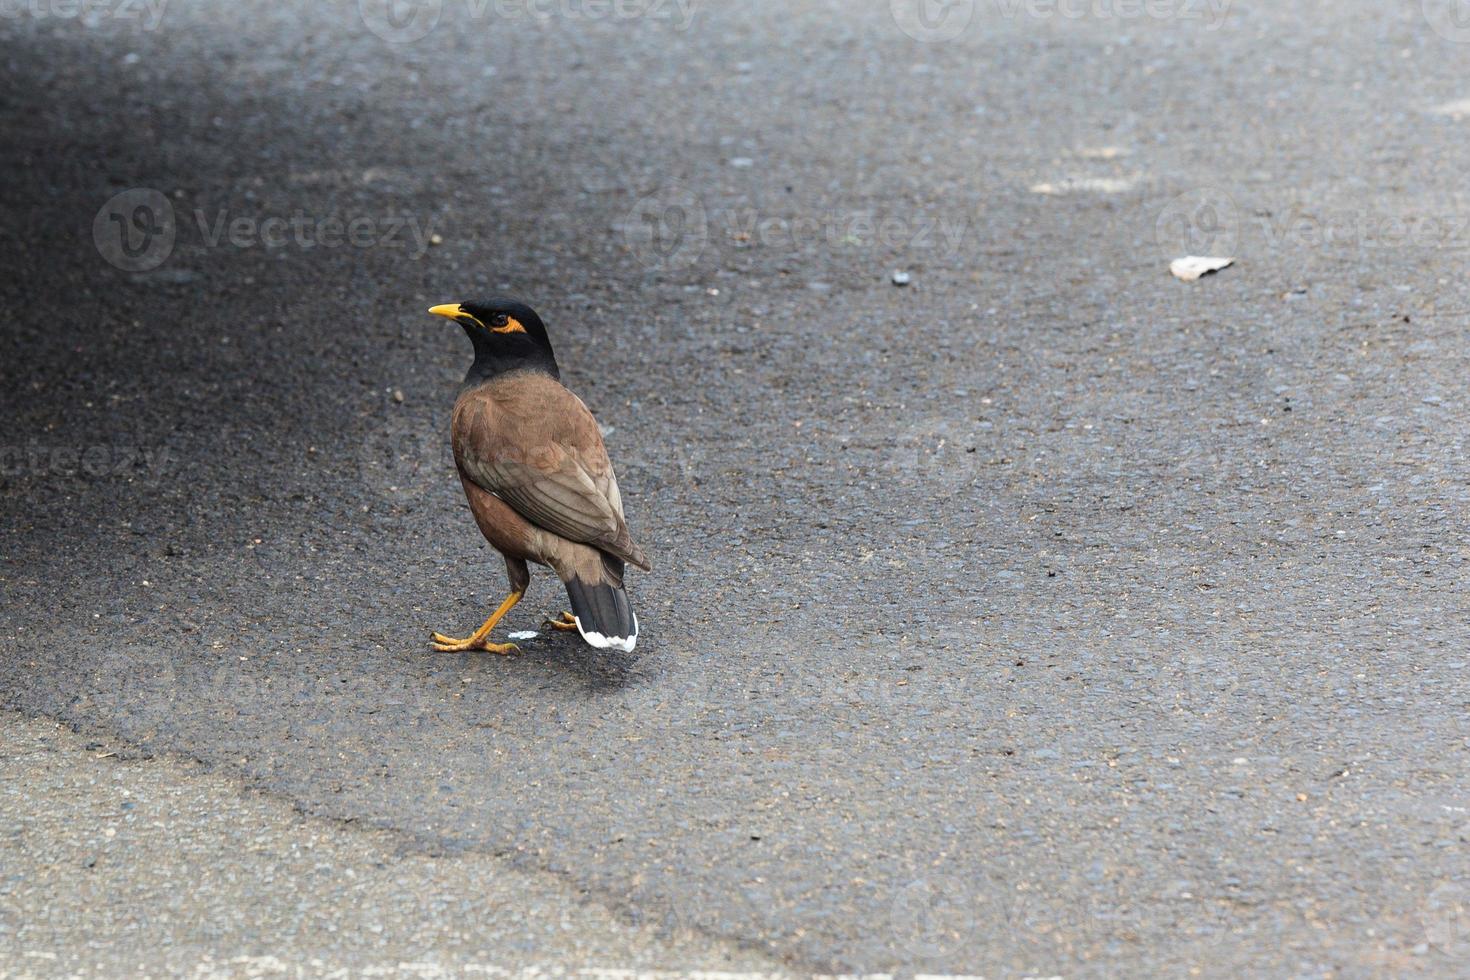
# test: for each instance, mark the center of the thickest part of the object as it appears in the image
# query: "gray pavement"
(118, 865)
(1044, 616)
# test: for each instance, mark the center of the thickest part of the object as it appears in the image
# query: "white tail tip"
(623, 643)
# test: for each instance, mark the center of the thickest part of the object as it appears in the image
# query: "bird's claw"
(448, 644)
(566, 622)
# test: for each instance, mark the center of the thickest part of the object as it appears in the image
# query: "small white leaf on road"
(1086, 185)
(1191, 267)
(1457, 109)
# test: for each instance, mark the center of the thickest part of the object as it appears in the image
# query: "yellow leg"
(566, 622)
(478, 641)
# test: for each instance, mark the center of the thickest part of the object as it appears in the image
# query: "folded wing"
(535, 445)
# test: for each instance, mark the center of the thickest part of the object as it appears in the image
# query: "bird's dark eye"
(498, 320)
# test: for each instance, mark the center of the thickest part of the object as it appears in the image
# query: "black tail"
(604, 617)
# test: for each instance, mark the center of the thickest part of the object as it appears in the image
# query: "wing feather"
(537, 447)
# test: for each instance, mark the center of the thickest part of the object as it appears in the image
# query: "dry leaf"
(1191, 267)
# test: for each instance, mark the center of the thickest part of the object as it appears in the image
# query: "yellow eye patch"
(512, 325)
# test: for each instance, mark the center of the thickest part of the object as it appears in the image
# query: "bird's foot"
(480, 639)
(448, 644)
(566, 622)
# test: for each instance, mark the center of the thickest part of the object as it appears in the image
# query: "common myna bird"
(540, 485)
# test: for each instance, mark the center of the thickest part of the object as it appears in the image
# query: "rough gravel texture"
(1047, 615)
(116, 865)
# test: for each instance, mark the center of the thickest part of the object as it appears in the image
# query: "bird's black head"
(507, 334)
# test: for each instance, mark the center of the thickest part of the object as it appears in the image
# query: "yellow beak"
(451, 310)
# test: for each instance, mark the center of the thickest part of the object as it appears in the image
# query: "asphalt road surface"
(1046, 615)
(122, 866)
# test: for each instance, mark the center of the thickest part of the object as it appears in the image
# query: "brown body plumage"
(538, 478)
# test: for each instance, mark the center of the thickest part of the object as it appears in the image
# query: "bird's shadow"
(597, 669)
(549, 663)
